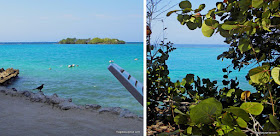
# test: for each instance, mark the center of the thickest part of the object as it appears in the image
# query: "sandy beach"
(20, 116)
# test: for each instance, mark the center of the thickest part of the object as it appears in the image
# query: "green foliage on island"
(91, 41)
(195, 106)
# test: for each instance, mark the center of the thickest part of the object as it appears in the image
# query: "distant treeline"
(91, 41)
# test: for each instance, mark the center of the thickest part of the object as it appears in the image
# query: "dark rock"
(26, 93)
(54, 99)
(69, 100)
(113, 110)
(81, 107)
(67, 105)
(92, 106)
(20, 93)
(14, 89)
(48, 99)
(127, 114)
(38, 97)
(3, 91)
(11, 93)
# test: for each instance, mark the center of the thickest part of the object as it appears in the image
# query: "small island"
(91, 41)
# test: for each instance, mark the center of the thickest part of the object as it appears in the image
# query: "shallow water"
(89, 83)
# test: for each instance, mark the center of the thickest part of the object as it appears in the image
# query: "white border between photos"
(144, 70)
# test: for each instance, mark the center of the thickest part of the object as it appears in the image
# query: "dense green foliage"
(91, 41)
(82, 41)
(197, 107)
(68, 41)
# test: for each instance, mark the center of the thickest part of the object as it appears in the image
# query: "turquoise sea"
(89, 83)
(201, 60)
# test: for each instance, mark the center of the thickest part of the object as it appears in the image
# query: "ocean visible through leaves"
(201, 60)
(88, 83)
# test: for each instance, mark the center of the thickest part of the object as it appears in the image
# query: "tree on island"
(96, 41)
(91, 41)
(195, 106)
(68, 41)
(82, 41)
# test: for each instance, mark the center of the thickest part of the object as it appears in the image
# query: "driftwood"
(6, 76)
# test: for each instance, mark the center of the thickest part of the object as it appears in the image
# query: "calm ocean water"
(201, 60)
(90, 83)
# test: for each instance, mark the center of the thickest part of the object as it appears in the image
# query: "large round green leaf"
(186, 10)
(224, 33)
(274, 121)
(275, 73)
(180, 18)
(274, 4)
(229, 27)
(209, 26)
(257, 3)
(220, 5)
(238, 112)
(207, 30)
(211, 22)
(181, 119)
(186, 17)
(244, 45)
(191, 25)
(252, 107)
(260, 74)
(201, 6)
(210, 13)
(205, 111)
(244, 4)
(241, 123)
(185, 4)
(227, 120)
(189, 130)
(198, 21)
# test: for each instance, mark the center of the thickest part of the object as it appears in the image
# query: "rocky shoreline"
(67, 104)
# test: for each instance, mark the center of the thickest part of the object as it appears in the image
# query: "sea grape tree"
(197, 107)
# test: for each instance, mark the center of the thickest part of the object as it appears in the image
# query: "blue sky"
(180, 34)
(53, 20)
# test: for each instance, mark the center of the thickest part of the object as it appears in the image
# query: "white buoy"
(111, 61)
(136, 59)
(69, 66)
(73, 65)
